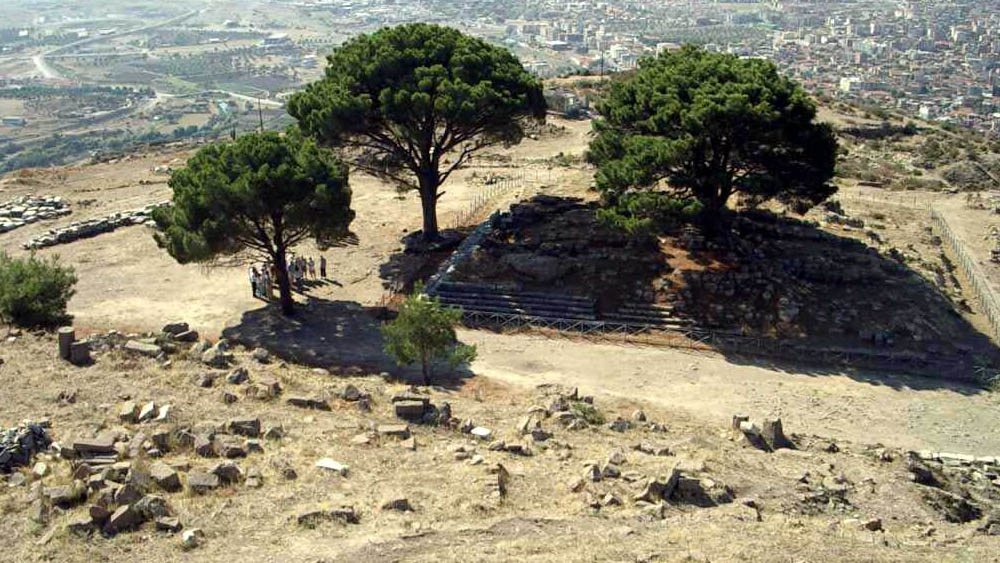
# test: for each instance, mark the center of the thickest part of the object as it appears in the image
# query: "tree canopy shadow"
(772, 291)
(343, 337)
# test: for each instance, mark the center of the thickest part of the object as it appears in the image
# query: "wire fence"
(483, 203)
(912, 202)
(980, 286)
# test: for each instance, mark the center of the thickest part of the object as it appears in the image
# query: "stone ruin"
(93, 227)
(30, 209)
(19, 444)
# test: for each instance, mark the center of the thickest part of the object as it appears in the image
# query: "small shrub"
(424, 332)
(34, 291)
(587, 412)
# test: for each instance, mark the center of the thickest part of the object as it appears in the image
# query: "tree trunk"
(428, 203)
(425, 365)
(284, 285)
(711, 215)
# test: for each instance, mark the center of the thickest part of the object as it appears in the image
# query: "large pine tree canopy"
(416, 101)
(258, 196)
(708, 125)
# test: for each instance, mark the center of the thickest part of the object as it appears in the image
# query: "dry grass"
(455, 518)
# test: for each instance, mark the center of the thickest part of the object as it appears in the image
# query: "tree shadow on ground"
(418, 261)
(825, 294)
(774, 291)
(343, 337)
(917, 380)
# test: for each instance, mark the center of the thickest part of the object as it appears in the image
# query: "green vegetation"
(587, 412)
(34, 291)
(405, 97)
(424, 332)
(705, 126)
(262, 194)
(649, 212)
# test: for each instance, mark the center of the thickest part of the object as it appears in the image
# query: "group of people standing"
(262, 280)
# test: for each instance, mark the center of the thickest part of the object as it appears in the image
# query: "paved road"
(49, 72)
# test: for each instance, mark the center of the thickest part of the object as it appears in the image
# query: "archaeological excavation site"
(307, 282)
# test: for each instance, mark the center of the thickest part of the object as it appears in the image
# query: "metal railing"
(483, 200)
(980, 285)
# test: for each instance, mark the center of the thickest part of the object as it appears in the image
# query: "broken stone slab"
(127, 494)
(409, 397)
(401, 431)
(238, 376)
(215, 357)
(620, 425)
(147, 412)
(254, 478)
(343, 514)
(203, 446)
(201, 482)
(166, 477)
(151, 507)
(168, 524)
(482, 432)
(229, 447)
(192, 538)
(176, 328)
(660, 488)
(307, 403)
(350, 393)
(125, 518)
(142, 348)
(261, 355)
(249, 427)
(652, 449)
(99, 514)
(187, 336)
(228, 472)
(264, 390)
(956, 459)
(410, 410)
(401, 504)
(334, 466)
(67, 495)
(82, 526)
(129, 412)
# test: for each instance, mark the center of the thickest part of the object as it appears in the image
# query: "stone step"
(480, 306)
(468, 299)
(504, 290)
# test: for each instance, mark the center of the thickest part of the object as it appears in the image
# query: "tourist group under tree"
(260, 195)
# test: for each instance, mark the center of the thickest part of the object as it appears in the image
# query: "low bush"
(34, 291)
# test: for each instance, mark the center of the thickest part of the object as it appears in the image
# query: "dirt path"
(899, 411)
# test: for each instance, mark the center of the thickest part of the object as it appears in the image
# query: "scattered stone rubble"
(93, 227)
(29, 209)
(961, 488)
(19, 445)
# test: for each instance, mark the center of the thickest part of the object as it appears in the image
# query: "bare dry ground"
(455, 516)
(126, 283)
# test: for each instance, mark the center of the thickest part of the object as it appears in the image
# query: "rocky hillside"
(171, 451)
